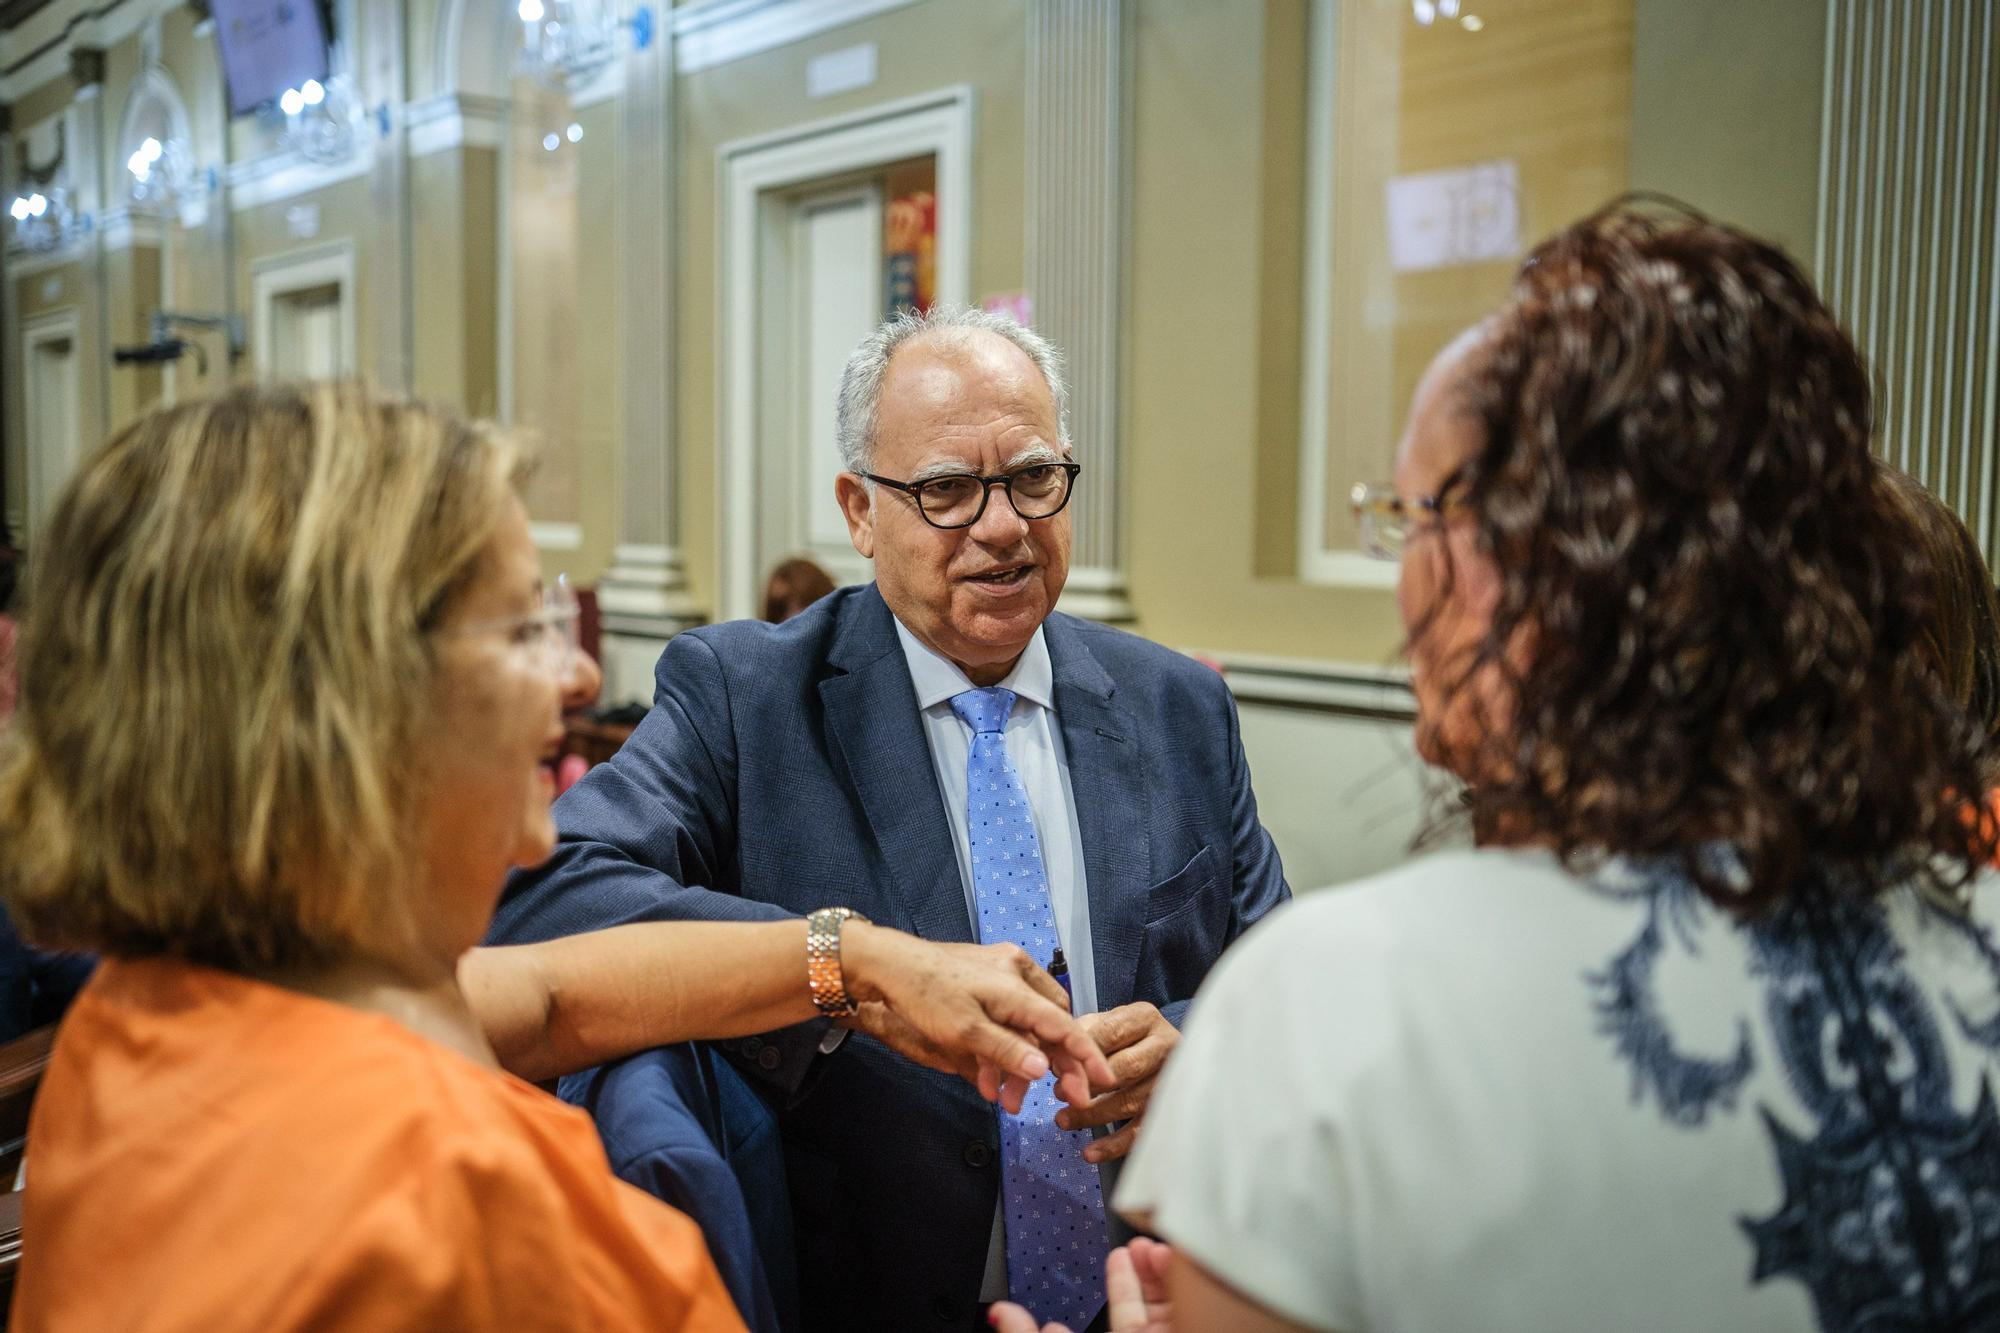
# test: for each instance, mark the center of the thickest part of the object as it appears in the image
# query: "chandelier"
(322, 120)
(158, 172)
(43, 218)
(567, 43)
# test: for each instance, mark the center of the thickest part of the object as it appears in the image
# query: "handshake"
(993, 1016)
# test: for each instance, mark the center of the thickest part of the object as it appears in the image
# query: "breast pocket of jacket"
(1187, 918)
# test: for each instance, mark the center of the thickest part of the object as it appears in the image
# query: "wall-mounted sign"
(1466, 215)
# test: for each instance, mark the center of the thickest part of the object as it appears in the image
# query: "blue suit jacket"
(784, 768)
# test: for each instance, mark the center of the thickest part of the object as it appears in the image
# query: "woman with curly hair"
(1701, 1035)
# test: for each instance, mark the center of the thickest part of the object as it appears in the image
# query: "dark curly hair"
(1708, 614)
(1961, 640)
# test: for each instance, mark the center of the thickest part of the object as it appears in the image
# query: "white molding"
(1344, 687)
(314, 266)
(282, 175)
(123, 228)
(454, 120)
(63, 323)
(1348, 569)
(561, 537)
(64, 26)
(23, 262)
(1316, 563)
(713, 32)
(938, 123)
(608, 83)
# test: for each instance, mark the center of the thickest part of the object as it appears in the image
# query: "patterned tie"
(1055, 1210)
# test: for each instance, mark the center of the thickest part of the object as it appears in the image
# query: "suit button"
(751, 1046)
(949, 1310)
(769, 1059)
(977, 1155)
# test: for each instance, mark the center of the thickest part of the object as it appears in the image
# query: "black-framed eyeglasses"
(958, 499)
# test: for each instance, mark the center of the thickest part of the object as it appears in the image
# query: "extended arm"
(565, 1004)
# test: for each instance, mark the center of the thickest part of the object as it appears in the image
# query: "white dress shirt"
(1034, 743)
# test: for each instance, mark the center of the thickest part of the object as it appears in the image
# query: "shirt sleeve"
(1241, 1163)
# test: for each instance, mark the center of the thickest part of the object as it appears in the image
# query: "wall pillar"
(644, 596)
(1078, 173)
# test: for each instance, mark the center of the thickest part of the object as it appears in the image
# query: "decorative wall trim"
(1078, 176)
(25, 263)
(1349, 688)
(47, 38)
(45, 475)
(281, 175)
(939, 123)
(296, 270)
(1908, 245)
(714, 32)
(455, 120)
(556, 537)
(1317, 564)
(123, 228)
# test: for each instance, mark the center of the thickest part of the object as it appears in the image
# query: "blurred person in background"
(1703, 1033)
(1961, 637)
(291, 692)
(793, 586)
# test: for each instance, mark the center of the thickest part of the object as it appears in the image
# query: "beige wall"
(1726, 102)
(1723, 103)
(1211, 424)
(981, 43)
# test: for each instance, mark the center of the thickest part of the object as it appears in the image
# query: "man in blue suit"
(936, 749)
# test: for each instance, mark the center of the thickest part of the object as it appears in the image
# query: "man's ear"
(857, 506)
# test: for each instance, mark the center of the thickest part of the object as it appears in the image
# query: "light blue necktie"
(1055, 1209)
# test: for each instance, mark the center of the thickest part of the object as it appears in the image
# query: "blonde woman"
(290, 698)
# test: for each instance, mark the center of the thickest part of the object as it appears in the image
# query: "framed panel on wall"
(1441, 144)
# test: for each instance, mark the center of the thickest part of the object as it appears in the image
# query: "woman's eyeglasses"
(1386, 519)
(547, 635)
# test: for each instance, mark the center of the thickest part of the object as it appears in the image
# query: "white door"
(827, 292)
(306, 333)
(54, 417)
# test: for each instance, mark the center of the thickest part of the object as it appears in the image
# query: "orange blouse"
(211, 1152)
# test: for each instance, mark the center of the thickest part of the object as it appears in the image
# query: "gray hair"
(860, 403)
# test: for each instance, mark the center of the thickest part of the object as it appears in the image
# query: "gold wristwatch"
(824, 975)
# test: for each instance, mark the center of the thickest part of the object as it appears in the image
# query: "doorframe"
(273, 279)
(750, 172)
(60, 325)
(845, 565)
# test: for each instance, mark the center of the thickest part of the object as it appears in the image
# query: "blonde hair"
(223, 667)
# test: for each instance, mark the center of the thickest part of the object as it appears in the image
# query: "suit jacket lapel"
(1106, 755)
(871, 711)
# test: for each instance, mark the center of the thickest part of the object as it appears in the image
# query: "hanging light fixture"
(567, 43)
(43, 218)
(322, 120)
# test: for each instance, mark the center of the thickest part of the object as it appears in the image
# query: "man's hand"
(1137, 1039)
(984, 1012)
(1135, 1289)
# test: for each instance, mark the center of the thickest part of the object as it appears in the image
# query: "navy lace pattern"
(1891, 1192)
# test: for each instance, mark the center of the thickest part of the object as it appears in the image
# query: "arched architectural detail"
(475, 43)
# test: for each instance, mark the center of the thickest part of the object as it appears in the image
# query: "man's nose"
(1000, 525)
